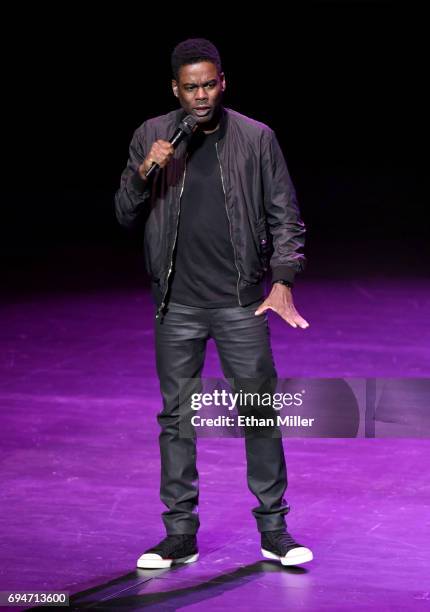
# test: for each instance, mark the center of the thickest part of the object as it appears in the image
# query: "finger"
(288, 318)
(166, 147)
(261, 309)
(290, 322)
(294, 323)
(301, 322)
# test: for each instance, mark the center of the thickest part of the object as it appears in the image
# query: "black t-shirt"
(204, 272)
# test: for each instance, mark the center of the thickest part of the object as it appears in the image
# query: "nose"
(201, 94)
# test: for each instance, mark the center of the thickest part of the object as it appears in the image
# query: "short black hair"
(194, 50)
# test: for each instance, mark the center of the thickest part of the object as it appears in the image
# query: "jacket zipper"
(162, 305)
(229, 225)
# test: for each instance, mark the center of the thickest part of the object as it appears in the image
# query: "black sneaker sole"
(154, 561)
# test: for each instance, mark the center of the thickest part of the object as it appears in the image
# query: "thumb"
(260, 310)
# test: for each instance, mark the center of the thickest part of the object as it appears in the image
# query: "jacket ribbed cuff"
(138, 183)
(283, 273)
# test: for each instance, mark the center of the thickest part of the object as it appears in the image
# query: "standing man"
(221, 206)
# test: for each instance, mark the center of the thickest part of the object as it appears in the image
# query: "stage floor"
(80, 463)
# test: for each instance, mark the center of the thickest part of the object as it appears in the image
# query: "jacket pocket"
(264, 242)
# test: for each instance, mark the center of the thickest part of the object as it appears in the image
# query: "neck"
(211, 131)
(213, 125)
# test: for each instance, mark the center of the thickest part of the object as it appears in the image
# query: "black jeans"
(243, 344)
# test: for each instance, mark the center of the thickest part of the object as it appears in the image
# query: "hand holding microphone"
(162, 151)
(160, 154)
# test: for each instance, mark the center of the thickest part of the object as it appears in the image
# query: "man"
(213, 210)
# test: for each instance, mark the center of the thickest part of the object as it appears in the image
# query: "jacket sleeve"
(133, 192)
(282, 212)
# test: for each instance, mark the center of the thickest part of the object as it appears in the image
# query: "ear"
(175, 88)
(223, 83)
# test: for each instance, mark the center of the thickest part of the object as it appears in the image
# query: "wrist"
(283, 282)
(142, 172)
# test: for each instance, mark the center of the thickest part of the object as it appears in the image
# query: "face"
(199, 89)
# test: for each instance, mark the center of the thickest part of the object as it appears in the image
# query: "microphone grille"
(188, 124)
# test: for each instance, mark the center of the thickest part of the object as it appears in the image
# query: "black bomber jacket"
(261, 205)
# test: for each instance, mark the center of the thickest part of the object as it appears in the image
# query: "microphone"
(187, 126)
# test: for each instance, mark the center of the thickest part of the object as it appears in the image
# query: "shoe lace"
(283, 538)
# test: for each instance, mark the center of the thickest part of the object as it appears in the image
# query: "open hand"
(280, 299)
